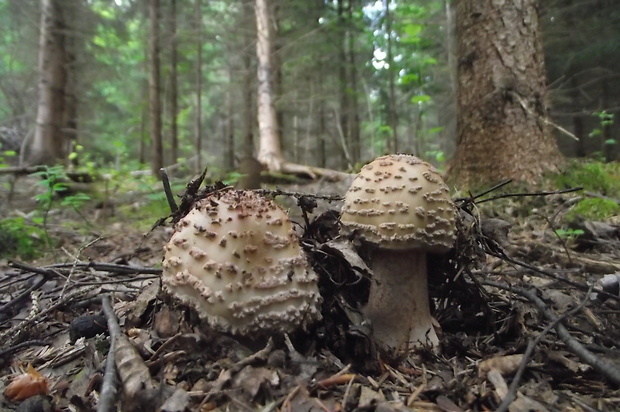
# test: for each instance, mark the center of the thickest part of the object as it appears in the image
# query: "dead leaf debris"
(527, 320)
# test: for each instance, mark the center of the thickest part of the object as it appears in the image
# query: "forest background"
(107, 92)
(351, 79)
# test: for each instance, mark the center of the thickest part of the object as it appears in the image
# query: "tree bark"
(247, 57)
(157, 155)
(501, 94)
(73, 48)
(198, 79)
(174, 100)
(229, 126)
(49, 144)
(392, 114)
(269, 152)
(356, 142)
(343, 85)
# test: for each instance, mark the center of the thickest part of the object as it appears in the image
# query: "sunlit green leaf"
(420, 99)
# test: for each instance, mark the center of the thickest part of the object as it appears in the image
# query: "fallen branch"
(22, 345)
(109, 387)
(582, 287)
(514, 385)
(140, 392)
(11, 335)
(6, 307)
(104, 267)
(606, 368)
(21, 170)
(297, 195)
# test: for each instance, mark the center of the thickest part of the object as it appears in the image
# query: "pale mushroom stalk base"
(398, 304)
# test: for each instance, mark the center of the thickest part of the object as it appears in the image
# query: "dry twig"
(514, 385)
(109, 387)
(606, 368)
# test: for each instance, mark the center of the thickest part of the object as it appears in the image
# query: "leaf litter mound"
(527, 319)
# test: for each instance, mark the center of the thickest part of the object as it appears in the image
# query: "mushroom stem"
(398, 304)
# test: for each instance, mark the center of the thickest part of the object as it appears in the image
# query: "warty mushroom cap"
(236, 259)
(400, 202)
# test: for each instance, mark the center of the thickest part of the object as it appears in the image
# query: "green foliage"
(605, 121)
(594, 176)
(594, 209)
(5, 155)
(19, 238)
(52, 178)
(75, 201)
(569, 233)
(233, 178)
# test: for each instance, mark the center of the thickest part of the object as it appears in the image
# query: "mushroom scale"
(236, 259)
(400, 202)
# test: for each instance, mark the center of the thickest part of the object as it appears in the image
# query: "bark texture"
(269, 152)
(157, 153)
(174, 100)
(49, 144)
(502, 132)
(198, 82)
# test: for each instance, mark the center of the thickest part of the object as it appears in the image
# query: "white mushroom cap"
(401, 202)
(236, 259)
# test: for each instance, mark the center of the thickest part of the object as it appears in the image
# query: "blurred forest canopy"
(353, 79)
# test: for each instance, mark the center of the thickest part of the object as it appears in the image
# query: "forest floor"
(523, 319)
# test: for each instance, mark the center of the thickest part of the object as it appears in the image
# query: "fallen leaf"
(501, 387)
(178, 402)
(368, 397)
(506, 365)
(524, 403)
(251, 379)
(27, 384)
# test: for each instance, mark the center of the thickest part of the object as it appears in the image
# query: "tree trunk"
(269, 152)
(73, 48)
(392, 114)
(343, 85)
(247, 57)
(174, 101)
(249, 115)
(356, 143)
(49, 144)
(198, 79)
(229, 126)
(578, 123)
(157, 155)
(501, 94)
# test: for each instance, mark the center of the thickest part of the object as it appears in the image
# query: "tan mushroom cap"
(400, 202)
(237, 260)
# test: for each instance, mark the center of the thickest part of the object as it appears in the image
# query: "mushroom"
(400, 207)
(236, 259)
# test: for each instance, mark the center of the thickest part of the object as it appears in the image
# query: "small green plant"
(20, 238)
(594, 209)
(569, 233)
(605, 120)
(53, 180)
(5, 155)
